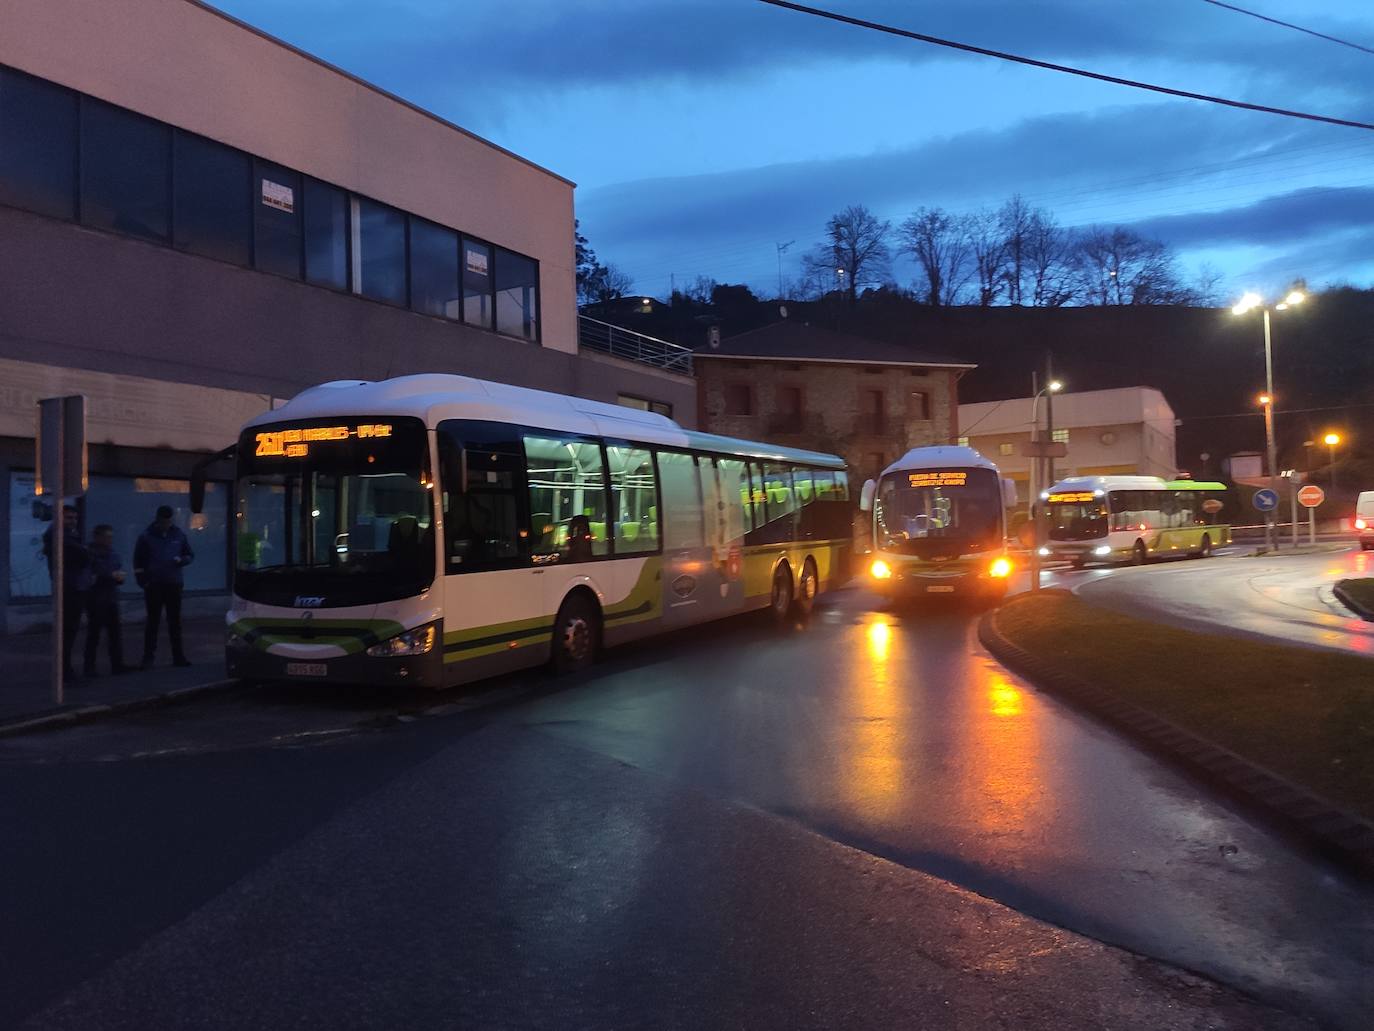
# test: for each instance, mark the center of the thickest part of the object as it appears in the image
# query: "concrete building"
(1107, 432)
(196, 219)
(802, 386)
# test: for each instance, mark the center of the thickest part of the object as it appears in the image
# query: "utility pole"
(1049, 420)
(782, 247)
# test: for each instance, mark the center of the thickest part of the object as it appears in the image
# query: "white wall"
(179, 62)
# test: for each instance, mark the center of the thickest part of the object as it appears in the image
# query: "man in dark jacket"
(159, 556)
(76, 578)
(102, 611)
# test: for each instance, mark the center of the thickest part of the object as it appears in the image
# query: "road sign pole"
(1293, 501)
(59, 558)
(1312, 525)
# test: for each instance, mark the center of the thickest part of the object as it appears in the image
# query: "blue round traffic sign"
(1265, 500)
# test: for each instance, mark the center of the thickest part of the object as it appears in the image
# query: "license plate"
(940, 589)
(307, 669)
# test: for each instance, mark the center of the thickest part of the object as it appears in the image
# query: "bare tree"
(855, 254)
(988, 248)
(608, 283)
(1119, 266)
(1047, 254)
(937, 240)
(1015, 219)
(1207, 286)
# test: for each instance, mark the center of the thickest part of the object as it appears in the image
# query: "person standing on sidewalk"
(76, 580)
(102, 613)
(160, 555)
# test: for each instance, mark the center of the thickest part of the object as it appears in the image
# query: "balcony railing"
(596, 335)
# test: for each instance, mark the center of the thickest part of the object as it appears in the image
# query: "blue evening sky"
(702, 133)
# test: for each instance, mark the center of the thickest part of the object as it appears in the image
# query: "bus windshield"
(938, 512)
(337, 511)
(1077, 519)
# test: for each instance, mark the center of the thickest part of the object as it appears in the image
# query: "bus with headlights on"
(1114, 519)
(434, 529)
(939, 526)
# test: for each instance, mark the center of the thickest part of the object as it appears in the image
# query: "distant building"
(1107, 432)
(802, 386)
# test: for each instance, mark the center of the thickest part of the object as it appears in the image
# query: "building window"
(276, 220)
(479, 305)
(919, 405)
(787, 410)
(37, 145)
(739, 399)
(126, 163)
(433, 269)
(644, 405)
(1004, 449)
(963, 442)
(325, 220)
(211, 212)
(379, 251)
(872, 415)
(517, 295)
(1060, 436)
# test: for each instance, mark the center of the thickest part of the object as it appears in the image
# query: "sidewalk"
(26, 669)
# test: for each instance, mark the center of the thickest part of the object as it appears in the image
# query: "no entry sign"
(1311, 496)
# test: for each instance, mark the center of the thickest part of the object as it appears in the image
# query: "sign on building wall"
(275, 195)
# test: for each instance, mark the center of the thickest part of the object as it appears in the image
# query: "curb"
(57, 718)
(1332, 831)
(1348, 600)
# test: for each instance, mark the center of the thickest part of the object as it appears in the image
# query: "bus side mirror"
(866, 496)
(198, 472)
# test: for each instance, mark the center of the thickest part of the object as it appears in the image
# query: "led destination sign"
(940, 478)
(295, 443)
(1074, 497)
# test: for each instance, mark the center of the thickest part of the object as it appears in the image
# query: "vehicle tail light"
(1359, 524)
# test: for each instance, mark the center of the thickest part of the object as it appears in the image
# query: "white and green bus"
(435, 529)
(939, 525)
(1133, 518)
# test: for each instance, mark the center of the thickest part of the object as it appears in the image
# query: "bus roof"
(941, 456)
(435, 397)
(1071, 484)
(1195, 485)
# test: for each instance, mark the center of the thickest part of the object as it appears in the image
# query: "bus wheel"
(807, 588)
(1139, 555)
(576, 634)
(1206, 549)
(781, 604)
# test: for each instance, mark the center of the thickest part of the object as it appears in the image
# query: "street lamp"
(1247, 304)
(1331, 440)
(1054, 386)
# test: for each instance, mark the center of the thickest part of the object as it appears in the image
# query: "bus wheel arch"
(783, 591)
(576, 631)
(808, 587)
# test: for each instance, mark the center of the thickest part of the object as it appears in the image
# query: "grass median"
(1308, 715)
(1360, 591)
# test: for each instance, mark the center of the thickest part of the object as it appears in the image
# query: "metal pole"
(1312, 525)
(1033, 479)
(1269, 427)
(59, 549)
(1293, 503)
(1333, 471)
(1049, 420)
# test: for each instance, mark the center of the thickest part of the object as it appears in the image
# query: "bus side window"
(682, 507)
(734, 499)
(486, 526)
(567, 488)
(634, 499)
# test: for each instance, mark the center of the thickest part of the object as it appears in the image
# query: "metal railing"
(596, 335)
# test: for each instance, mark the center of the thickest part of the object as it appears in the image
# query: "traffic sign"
(1265, 500)
(1311, 496)
(1212, 505)
(1044, 449)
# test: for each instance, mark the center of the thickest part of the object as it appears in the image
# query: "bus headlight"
(1044, 552)
(412, 642)
(880, 570)
(1102, 549)
(1000, 568)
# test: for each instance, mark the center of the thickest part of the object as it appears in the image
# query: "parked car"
(1364, 519)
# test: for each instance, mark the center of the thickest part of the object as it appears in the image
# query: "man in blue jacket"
(102, 613)
(159, 556)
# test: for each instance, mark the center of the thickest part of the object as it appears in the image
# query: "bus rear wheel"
(808, 586)
(576, 634)
(781, 604)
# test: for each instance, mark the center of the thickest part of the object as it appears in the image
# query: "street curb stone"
(57, 718)
(1332, 831)
(1348, 600)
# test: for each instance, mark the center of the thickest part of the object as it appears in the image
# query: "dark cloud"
(1291, 217)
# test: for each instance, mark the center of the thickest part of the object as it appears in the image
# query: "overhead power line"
(1290, 25)
(1002, 55)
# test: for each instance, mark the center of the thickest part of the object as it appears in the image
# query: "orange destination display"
(295, 443)
(938, 478)
(1072, 497)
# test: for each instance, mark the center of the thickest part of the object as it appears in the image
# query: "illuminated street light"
(1331, 440)
(1244, 306)
(1265, 399)
(1054, 386)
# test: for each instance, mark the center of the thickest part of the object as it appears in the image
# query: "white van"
(1364, 519)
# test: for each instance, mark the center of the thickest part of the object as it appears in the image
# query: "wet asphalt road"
(1280, 596)
(735, 831)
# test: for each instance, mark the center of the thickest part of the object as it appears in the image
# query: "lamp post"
(1247, 304)
(1331, 440)
(1052, 387)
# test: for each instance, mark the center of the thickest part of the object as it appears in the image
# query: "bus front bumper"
(904, 584)
(423, 671)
